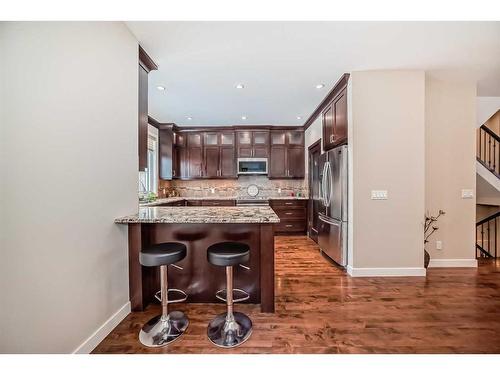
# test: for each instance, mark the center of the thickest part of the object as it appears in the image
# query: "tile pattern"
(319, 309)
(238, 187)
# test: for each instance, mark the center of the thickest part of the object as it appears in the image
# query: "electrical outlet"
(467, 194)
(212, 190)
(279, 190)
(379, 194)
(439, 245)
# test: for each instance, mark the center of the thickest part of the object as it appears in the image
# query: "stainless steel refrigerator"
(332, 215)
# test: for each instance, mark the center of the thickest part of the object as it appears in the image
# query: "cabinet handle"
(331, 137)
(173, 172)
(289, 225)
(288, 213)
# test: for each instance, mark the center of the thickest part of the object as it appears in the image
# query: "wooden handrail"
(486, 219)
(490, 132)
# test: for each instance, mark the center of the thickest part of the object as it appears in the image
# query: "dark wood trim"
(215, 128)
(146, 61)
(315, 144)
(341, 83)
(134, 267)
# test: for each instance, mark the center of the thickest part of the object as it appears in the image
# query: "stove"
(252, 201)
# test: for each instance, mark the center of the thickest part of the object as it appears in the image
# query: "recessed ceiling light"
(240, 86)
(189, 118)
(320, 85)
(161, 88)
(299, 117)
(243, 117)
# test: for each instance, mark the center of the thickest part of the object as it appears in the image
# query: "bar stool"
(169, 326)
(229, 329)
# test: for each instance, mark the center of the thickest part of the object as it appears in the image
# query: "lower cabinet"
(292, 214)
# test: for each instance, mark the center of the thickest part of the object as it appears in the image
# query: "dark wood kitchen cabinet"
(252, 143)
(195, 155)
(219, 155)
(287, 154)
(334, 119)
(292, 213)
(179, 157)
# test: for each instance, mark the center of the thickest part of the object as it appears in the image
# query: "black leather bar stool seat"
(169, 326)
(230, 329)
(162, 254)
(228, 253)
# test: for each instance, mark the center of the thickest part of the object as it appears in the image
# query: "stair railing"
(486, 237)
(488, 149)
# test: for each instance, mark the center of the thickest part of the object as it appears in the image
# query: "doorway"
(314, 152)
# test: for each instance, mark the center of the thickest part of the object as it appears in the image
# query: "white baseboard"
(90, 344)
(434, 263)
(374, 272)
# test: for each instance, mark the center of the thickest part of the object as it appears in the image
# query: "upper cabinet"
(219, 155)
(287, 154)
(252, 143)
(193, 154)
(334, 117)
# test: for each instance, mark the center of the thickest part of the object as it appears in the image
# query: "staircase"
(487, 237)
(488, 188)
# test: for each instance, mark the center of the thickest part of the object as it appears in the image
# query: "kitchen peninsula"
(198, 228)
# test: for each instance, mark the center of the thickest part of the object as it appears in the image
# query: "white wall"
(386, 141)
(69, 167)
(486, 106)
(450, 110)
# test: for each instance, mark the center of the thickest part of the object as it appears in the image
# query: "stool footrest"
(181, 299)
(243, 295)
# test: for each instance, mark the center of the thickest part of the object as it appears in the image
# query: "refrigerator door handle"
(328, 192)
(323, 180)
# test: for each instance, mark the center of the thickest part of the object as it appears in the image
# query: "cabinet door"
(277, 163)
(180, 139)
(226, 139)
(260, 138)
(261, 151)
(195, 161)
(327, 119)
(295, 137)
(227, 162)
(181, 163)
(211, 162)
(211, 139)
(278, 138)
(340, 122)
(295, 162)
(245, 151)
(244, 138)
(194, 140)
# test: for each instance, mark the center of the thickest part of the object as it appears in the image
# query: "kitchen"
(243, 156)
(252, 174)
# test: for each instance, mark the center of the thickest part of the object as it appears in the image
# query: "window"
(152, 170)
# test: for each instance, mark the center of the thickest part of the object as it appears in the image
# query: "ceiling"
(280, 63)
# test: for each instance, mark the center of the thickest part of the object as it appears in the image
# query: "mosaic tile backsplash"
(236, 188)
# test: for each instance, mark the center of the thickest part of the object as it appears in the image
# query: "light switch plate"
(467, 193)
(379, 194)
(439, 245)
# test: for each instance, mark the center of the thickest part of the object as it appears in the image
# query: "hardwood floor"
(319, 309)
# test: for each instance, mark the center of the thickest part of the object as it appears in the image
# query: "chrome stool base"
(160, 332)
(225, 332)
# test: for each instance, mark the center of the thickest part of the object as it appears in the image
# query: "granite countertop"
(202, 215)
(161, 201)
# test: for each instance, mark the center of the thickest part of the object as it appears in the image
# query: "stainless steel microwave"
(252, 165)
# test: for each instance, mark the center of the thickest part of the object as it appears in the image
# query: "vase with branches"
(429, 228)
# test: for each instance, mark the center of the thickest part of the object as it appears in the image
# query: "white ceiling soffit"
(280, 63)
